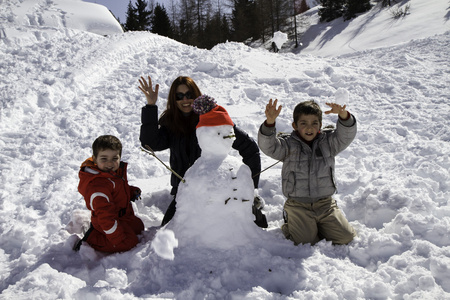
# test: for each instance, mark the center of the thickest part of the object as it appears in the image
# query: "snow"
(62, 86)
(164, 243)
(375, 28)
(341, 96)
(26, 21)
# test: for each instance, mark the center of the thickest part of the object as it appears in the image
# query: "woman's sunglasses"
(180, 96)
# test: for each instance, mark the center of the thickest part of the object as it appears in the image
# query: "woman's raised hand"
(150, 94)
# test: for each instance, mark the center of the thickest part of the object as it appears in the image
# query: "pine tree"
(354, 7)
(131, 22)
(201, 11)
(211, 34)
(143, 15)
(303, 7)
(225, 29)
(138, 17)
(244, 20)
(186, 33)
(331, 9)
(282, 10)
(216, 31)
(160, 22)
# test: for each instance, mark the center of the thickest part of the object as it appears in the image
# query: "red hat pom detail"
(203, 104)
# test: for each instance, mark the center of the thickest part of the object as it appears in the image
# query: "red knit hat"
(210, 113)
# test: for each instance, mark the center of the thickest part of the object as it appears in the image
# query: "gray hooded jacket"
(308, 172)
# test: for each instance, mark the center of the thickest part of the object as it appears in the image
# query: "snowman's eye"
(218, 133)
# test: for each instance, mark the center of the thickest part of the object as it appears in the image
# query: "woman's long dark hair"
(172, 117)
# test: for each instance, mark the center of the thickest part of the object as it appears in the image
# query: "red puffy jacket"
(107, 196)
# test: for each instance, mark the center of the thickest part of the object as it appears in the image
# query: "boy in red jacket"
(104, 186)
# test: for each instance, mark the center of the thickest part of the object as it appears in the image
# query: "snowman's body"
(214, 205)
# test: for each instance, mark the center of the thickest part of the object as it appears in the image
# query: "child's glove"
(259, 202)
(136, 194)
(260, 218)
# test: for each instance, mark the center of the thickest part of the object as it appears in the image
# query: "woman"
(175, 130)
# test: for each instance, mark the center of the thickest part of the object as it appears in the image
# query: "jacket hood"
(91, 167)
(89, 163)
(90, 171)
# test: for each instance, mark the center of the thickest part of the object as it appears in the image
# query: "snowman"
(214, 204)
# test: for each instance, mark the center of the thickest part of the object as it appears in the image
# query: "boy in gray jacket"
(308, 171)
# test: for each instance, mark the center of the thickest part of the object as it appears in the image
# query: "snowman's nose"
(229, 136)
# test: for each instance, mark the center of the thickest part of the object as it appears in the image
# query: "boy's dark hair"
(105, 142)
(307, 108)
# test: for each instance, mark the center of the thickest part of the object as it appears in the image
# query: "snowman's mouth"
(229, 136)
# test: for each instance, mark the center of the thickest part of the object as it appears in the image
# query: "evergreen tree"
(173, 8)
(216, 31)
(387, 2)
(212, 34)
(201, 11)
(160, 22)
(138, 17)
(263, 11)
(225, 29)
(354, 7)
(303, 7)
(143, 15)
(244, 20)
(282, 10)
(331, 9)
(131, 22)
(186, 33)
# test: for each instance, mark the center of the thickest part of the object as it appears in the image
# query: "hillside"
(373, 29)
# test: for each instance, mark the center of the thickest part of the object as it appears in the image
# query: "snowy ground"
(61, 88)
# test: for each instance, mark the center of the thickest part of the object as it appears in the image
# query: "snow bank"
(28, 21)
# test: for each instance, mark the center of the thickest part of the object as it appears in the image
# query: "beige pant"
(311, 222)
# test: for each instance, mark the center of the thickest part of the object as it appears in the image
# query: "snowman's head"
(215, 132)
(215, 140)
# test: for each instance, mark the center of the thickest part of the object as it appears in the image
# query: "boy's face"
(308, 126)
(107, 160)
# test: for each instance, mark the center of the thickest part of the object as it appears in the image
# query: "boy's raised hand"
(147, 89)
(337, 109)
(272, 112)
